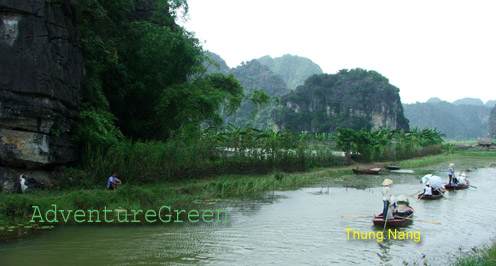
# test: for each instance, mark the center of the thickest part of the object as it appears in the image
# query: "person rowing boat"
(387, 199)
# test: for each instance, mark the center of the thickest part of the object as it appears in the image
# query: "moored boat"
(398, 221)
(393, 167)
(372, 171)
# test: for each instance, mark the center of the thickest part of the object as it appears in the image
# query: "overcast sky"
(444, 49)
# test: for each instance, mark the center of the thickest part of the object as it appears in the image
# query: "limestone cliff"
(41, 69)
(492, 123)
(350, 99)
(253, 75)
(293, 69)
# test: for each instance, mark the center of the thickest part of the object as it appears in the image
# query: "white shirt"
(386, 193)
(427, 191)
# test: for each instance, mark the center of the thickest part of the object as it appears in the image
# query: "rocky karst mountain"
(41, 68)
(253, 75)
(294, 70)
(492, 123)
(463, 121)
(353, 99)
(469, 101)
(215, 63)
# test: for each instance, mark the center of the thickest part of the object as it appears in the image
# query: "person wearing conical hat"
(451, 173)
(386, 197)
(402, 204)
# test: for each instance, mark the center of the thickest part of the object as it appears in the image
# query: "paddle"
(424, 221)
(442, 194)
(421, 196)
(417, 220)
(416, 193)
(472, 186)
(385, 223)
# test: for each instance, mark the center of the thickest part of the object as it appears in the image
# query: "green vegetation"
(347, 99)
(460, 122)
(255, 77)
(386, 144)
(484, 256)
(144, 77)
(183, 194)
(214, 63)
(208, 153)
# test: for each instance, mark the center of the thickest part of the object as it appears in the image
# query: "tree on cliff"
(144, 73)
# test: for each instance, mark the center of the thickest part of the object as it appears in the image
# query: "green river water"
(295, 227)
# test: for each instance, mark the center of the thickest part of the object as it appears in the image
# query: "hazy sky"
(435, 48)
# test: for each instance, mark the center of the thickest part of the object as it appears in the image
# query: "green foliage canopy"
(144, 75)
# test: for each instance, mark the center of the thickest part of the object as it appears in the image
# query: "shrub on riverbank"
(485, 256)
(241, 150)
(234, 151)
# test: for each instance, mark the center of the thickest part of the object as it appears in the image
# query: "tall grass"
(238, 150)
(485, 256)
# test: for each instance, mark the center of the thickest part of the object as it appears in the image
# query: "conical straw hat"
(387, 182)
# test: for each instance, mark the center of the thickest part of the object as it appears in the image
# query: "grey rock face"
(41, 68)
(492, 123)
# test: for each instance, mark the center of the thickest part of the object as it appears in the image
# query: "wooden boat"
(372, 171)
(404, 171)
(393, 167)
(457, 187)
(432, 197)
(398, 221)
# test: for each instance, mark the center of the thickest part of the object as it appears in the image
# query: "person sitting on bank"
(402, 204)
(386, 198)
(427, 190)
(113, 182)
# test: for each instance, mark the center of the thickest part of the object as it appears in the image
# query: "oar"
(442, 194)
(421, 196)
(386, 216)
(423, 221)
(416, 193)
(417, 220)
(472, 186)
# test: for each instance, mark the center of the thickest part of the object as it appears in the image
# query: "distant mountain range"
(294, 70)
(466, 118)
(278, 77)
(274, 76)
(466, 101)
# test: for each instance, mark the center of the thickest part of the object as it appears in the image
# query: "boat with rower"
(457, 186)
(431, 197)
(398, 221)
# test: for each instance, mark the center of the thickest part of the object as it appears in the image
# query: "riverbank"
(484, 256)
(191, 193)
